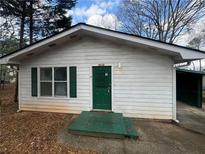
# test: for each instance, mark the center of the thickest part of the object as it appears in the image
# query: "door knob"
(108, 90)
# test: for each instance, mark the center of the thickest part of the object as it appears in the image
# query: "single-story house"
(89, 68)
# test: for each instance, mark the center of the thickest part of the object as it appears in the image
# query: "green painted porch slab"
(130, 128)
(102, 124)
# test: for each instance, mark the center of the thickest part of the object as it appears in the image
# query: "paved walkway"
(191, 118)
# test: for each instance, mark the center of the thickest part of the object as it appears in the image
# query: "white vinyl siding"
(142, 87)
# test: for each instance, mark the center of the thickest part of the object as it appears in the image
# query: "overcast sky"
(102, 13)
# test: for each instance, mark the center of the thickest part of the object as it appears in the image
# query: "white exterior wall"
(143, 87)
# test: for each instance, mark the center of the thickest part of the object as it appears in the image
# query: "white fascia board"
(4, 61)
(7, 61)
(185, 53)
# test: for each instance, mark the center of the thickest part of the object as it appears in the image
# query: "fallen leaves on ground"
(30, 132)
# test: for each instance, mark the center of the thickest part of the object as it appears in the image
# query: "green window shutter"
(34, 82)
(73, 81)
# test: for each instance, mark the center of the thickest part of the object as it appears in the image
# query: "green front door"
(102, 87)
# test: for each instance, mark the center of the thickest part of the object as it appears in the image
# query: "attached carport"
(189, 87)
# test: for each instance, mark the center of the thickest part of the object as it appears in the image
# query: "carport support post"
(200, 90)
(174, 114)
(17, 84)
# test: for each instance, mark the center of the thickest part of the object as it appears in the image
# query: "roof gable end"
(186, 54)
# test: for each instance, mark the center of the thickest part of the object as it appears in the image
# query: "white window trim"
(40, 81)
(53, 96)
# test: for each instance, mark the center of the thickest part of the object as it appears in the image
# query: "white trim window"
(60, 81)
(53, 81)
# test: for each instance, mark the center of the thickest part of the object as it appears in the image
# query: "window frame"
(61, 81)
(46, 81)
(53, 96)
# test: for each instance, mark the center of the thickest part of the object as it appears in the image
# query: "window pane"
(46, 88)
(60, 74)
(46, 74)
(60, 88)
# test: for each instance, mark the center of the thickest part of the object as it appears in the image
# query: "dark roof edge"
(190, 71)
(102, 29)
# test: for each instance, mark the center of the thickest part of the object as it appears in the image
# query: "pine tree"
(37, 20)
(52, 18)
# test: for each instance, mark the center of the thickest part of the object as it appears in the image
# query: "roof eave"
(184, 54)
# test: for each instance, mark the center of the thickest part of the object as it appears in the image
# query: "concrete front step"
(103, 124)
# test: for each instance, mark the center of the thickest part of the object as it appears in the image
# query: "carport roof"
(190, 71)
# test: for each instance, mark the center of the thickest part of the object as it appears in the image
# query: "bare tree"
(195, 43)
(197, 39)
(198, 42)
(162, 20)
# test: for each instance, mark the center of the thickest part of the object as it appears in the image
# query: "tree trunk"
(31, 21)
(21, 44)
(1, 76)
(22, 26)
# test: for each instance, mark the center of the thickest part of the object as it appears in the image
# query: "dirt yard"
(30, 132)
(37, 132)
